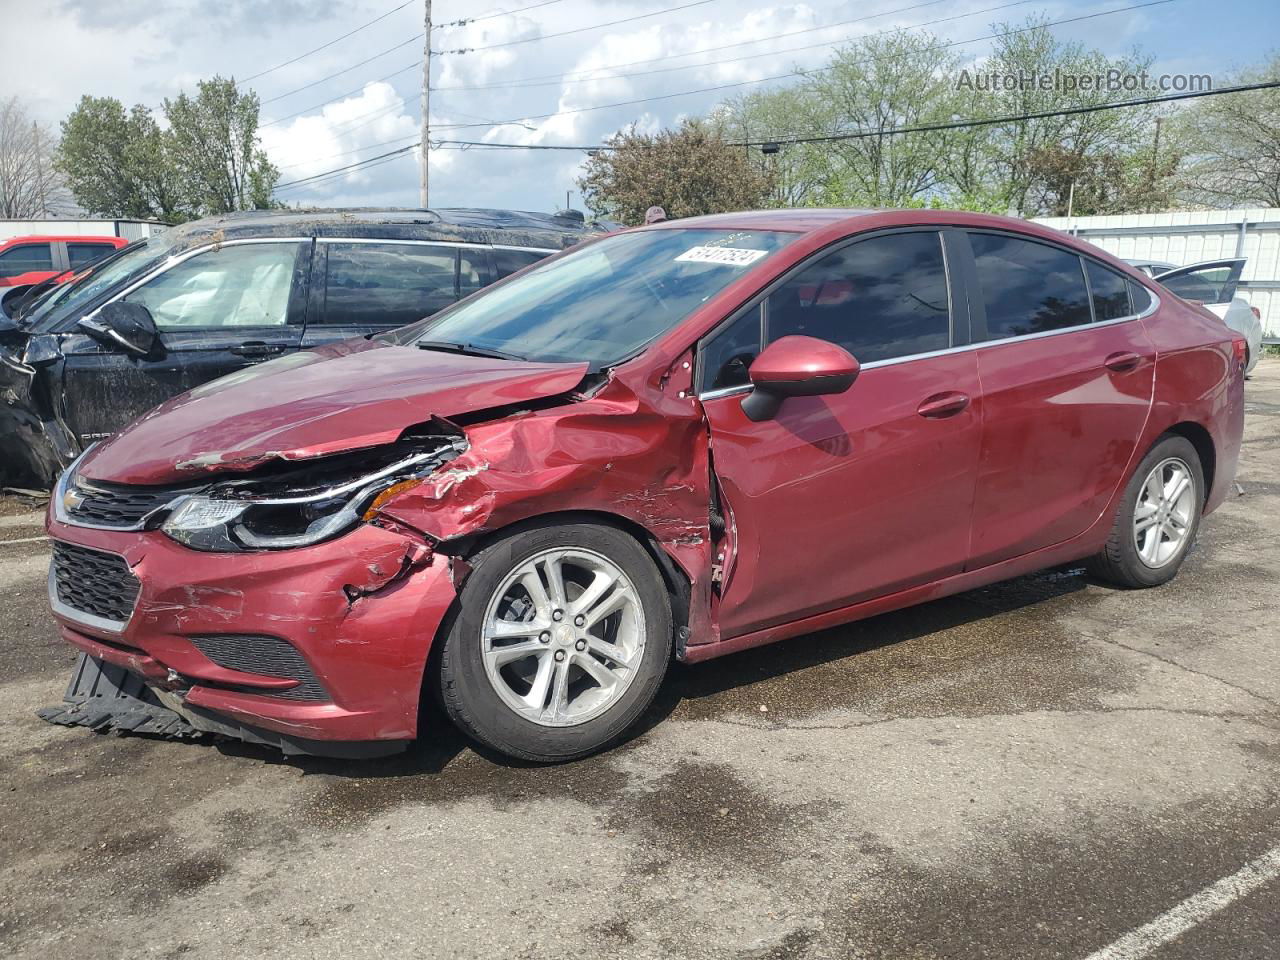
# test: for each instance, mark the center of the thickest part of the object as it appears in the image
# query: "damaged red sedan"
(670, 443)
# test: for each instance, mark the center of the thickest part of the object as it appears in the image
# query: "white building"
(129, 229)
(1193, 237)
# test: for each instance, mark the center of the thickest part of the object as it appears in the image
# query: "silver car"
(1212, 283)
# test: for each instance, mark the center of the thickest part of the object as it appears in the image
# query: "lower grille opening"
(94, 582)
(265, 655)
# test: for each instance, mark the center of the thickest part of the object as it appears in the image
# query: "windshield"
(602, 303)
(69, 299)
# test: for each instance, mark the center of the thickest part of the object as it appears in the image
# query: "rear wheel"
(562, 639)
(1158, 518)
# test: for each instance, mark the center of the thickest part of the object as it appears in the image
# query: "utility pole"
(423, 195)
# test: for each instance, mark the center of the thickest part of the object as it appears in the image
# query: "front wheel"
(561, 641)
(1158, 518)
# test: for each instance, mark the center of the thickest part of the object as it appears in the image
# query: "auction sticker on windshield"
(729, 256)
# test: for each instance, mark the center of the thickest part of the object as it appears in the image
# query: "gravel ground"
(1031, 770)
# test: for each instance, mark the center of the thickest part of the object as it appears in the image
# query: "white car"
(1212, 283)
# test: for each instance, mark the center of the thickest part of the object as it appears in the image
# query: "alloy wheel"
(1163, 515)
(563, 636)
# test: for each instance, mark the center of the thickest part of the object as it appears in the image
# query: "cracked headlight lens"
(266, 515)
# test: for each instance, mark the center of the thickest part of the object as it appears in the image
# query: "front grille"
(111, 505)
(94, 582)
(269, 656)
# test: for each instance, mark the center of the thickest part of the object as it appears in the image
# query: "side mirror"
(796, 367)
(42, 350)
(125, 326)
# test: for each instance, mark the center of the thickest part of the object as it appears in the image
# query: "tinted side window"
(507, 262)
(246, 285)
(26, 258)
(84, 253)
(1110, 292)
(1139, 298)
(1028, 287)
(727, 356)
(388, 284)
(1209, 285)
(879, 298)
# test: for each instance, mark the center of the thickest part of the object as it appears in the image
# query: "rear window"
(389, 284)
(82, 254)
(1028, 287)
(507, 262)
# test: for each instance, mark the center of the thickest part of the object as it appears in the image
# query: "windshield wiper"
(467, 349)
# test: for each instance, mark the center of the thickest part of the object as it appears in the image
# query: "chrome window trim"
(405, 242)
(183, 257)
(874, 364)
(79, 617)
(508, 246)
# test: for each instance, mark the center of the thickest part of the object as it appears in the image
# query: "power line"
(314, 83)
(498, 13)
(829, 138)
(565, 33)
(569, 78)
(785, 76)
(323, 46)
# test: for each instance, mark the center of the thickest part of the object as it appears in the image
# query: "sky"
(330, 108)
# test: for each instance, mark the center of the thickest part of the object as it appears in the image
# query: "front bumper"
(361, 610)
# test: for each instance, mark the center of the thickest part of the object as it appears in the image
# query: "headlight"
(243, 515)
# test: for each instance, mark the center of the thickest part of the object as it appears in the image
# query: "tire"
(1121, 562)
(519, 706)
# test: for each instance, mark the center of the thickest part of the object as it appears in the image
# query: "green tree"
(114, 162)
(1232, 144)
(687, 171)
(212, 143)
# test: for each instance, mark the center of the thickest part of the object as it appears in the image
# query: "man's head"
(654, 215)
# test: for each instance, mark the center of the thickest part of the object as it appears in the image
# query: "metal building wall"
(1194, 236)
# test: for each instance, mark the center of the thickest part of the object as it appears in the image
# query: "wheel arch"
(678, 585)
(1202, 440)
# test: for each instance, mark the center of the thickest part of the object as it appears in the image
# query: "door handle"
(256, 349)
(943, 405)
(1122, 362)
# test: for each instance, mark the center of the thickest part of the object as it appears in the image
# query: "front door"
(1067, 383)
(843, 498)
(217, 311)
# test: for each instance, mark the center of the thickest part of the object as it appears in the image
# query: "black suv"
(201, 300)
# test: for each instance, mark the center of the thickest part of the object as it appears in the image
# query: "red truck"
(25, 261)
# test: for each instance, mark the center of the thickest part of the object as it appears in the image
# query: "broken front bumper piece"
(108, 698)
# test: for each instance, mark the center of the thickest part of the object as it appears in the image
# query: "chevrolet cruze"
(675, 442)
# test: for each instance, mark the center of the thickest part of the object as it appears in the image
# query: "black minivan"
(207, 298)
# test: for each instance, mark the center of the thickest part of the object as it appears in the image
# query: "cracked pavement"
(1029, 770)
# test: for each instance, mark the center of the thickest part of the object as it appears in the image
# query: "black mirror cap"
(126, 326)
(765, 399)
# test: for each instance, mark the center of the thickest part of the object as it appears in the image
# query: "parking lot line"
(1194, 910)
(23, 540)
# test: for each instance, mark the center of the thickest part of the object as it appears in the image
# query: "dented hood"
(341, 397)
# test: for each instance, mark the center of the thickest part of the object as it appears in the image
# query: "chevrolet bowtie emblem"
(71, 499)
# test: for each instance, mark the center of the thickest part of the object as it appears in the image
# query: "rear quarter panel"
(1197, 382)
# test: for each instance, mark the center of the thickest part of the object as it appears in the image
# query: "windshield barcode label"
(729, 256)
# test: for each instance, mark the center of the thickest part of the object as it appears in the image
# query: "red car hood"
(341, 397)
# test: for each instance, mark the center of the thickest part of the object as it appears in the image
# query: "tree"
(116, 164)
(30, 186)
(1233, 144)
(687, 171)
(212, 143)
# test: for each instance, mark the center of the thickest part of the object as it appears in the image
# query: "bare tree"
(30, 186)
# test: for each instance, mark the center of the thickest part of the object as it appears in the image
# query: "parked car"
(222, 294)
(677, 442)
(26, 261)
(1213, 283)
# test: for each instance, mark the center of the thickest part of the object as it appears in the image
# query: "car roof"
(64, 238)
(462, 224)
(798, 221)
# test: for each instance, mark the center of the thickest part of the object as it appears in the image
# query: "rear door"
(842, 498)
(374, 285)
(217, 310)
(1067, 378)
(1210, 282)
